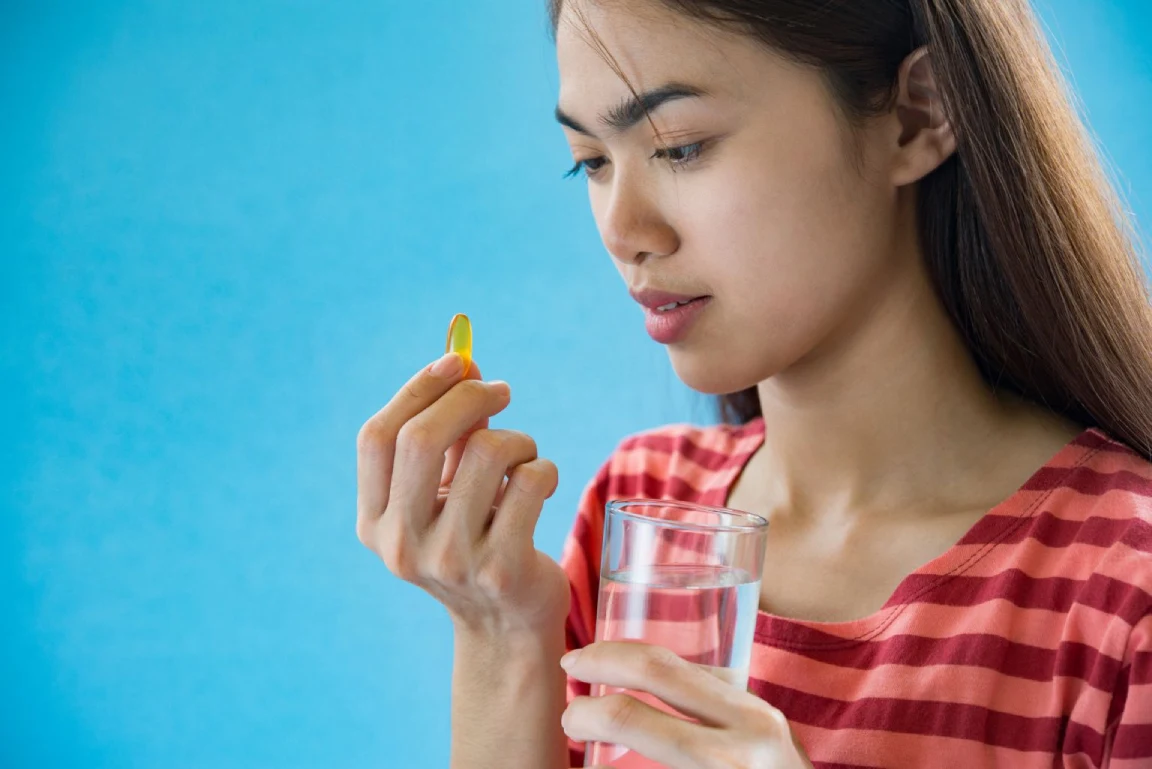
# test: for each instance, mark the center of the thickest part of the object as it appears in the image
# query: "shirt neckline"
(1011, 512)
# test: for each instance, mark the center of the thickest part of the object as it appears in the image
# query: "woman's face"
(784, 218)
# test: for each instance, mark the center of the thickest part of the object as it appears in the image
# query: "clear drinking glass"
(683, 576)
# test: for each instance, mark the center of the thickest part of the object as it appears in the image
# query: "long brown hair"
(1027, 243)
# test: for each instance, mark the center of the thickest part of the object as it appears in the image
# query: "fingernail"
(569, 659)
(500, 386)
(448, 366)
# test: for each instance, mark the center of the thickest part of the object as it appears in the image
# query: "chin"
(707, 374)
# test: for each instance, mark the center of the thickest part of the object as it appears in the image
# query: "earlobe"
(926, 138)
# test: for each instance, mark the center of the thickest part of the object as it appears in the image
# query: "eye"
(590, 167)
(682, 155)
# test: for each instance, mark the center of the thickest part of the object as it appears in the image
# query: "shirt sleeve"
(580, 559)
(1128, 741)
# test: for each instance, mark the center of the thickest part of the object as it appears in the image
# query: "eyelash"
(692, 152)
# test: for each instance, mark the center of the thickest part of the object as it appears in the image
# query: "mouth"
(673, 305)
(661, 301)
(671, 322)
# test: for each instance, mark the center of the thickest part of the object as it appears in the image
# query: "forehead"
(650, 44)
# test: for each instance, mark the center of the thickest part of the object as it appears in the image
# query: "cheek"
(792, 225)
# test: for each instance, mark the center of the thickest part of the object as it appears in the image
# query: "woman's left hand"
(736, 729)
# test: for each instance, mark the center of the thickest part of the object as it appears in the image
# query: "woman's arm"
(433, 503)
(507, 697)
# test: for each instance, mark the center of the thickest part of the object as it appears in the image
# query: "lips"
(673, 325)
(668, 315)
(655, 299)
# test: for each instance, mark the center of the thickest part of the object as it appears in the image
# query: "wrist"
(510, 642)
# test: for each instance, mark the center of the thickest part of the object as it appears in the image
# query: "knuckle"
(535, 477)
(660, 663)
(417, 437)
(501, 445)
(620, 711)
(526, 443)
(370, 438)
(487, 445)
(777, 721)
(728, 756)
(761, 753)
(447, 567)
(472, 389)
(495, 578)
(711, 756)
(398, 557)
(365, 532)
(410, 392)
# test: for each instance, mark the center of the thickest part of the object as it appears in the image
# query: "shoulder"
(1103, 478)
(1102, 501)
(682, 460)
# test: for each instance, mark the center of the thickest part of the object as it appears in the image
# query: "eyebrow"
(631, 111)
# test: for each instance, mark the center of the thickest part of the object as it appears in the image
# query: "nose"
(631, 223)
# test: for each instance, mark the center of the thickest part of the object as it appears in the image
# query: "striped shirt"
(1027, 644)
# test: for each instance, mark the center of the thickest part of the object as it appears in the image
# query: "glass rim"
(756, 523)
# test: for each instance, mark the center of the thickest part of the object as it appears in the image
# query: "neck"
(890, 414)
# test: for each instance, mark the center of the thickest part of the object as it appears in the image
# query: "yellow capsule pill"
(460, 339)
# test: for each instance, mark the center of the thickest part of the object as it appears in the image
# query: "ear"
(926, 139)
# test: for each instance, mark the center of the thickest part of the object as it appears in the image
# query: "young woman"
(876, 230)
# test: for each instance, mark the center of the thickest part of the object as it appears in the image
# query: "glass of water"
(683, 576)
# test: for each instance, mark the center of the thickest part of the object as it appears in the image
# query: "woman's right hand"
(433, 503)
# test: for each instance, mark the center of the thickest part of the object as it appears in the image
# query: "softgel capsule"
(460, 339)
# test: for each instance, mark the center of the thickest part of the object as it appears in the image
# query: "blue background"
(228, 232)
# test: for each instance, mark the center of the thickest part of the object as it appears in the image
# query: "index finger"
(376, 442)
(695, 690)
(452, 460)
